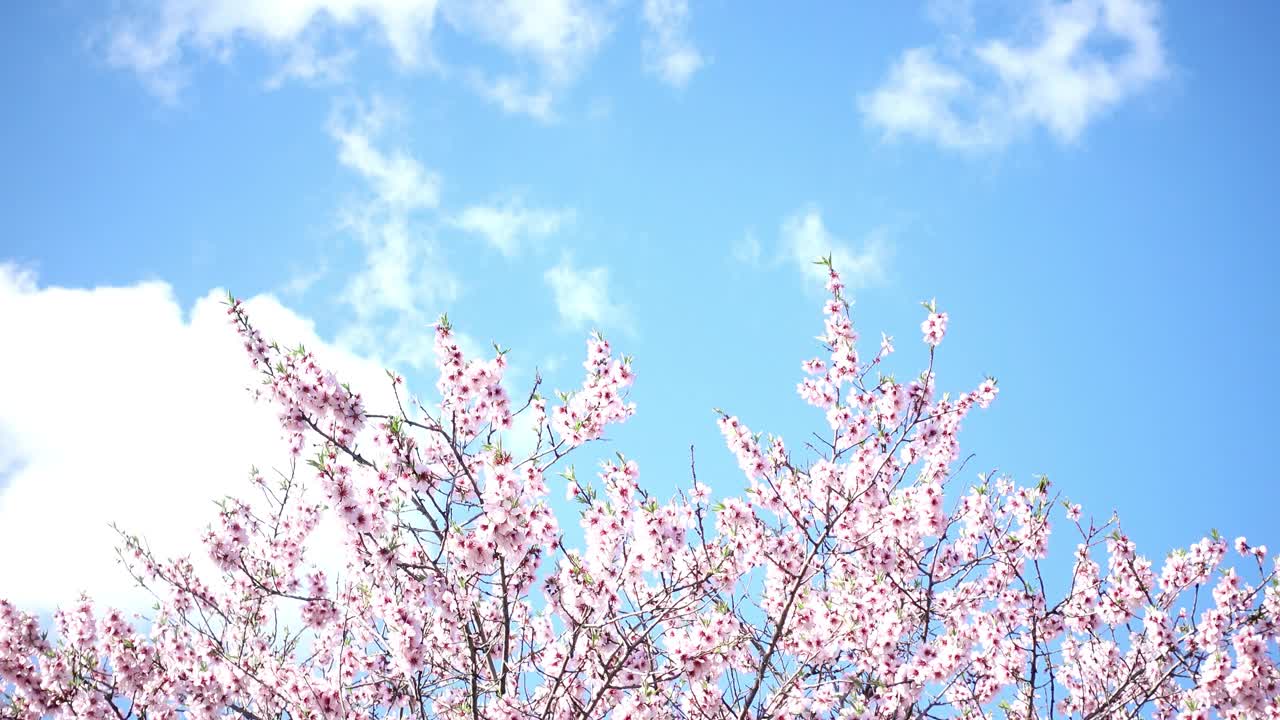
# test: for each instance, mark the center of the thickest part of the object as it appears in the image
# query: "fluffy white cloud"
(582, 297)
(1086, 57)
(669, 53)
(918, 98)
(805, 238)
(508, 225)
(121, 405)
(554, 39)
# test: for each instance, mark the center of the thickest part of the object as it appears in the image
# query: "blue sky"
(1087, 188)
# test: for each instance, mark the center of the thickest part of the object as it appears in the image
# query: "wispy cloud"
(805, 238)
(550, 42)
(558, 36)
(158, 41)
(582, 297)
(669, 53)
(404, 279)
(398, 180)
(302, 280)
(514, 97)
(508, 225)
(1084, 58)
(304, 63)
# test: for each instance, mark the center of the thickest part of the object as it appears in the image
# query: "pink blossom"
(934, 327)
(862, 572)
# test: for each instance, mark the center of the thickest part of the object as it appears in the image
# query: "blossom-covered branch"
(870, 575)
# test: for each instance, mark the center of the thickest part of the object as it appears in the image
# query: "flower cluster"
(869, 577)
(601, 401)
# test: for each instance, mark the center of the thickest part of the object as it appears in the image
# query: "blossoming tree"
(866, 577)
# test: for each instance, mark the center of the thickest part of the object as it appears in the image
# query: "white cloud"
(559, 36)
(121, 406)
(405, 279)
(508, 225)
(551, 40)
(554, 39)
(305, 64)
(512, 95)
(918, 98)
(404, 270)
(669, 53)
(398, 180)
(154, 41)
(582, 297)
(805, 239)
(1087, 57)
(302, 280)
